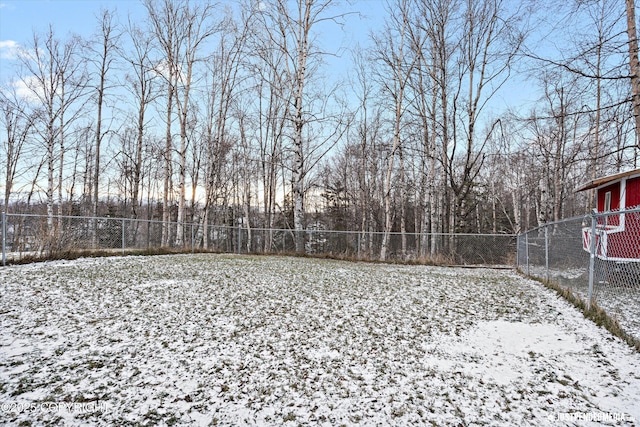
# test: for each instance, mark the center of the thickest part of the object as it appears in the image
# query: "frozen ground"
(225, 340)
(620, 297)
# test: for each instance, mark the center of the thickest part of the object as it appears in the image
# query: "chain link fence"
(604, 270)
(28, 237)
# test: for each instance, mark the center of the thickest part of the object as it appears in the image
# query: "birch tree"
(163, 18)
(194, 27)
(634, 63)
(271, 89)
(140, 83)
(424, 86)
(222, 81)
(488, 46)
(436, 65)
(102, 55)
(292, 33)
(55, 80)
(367, 130)
(398, 62)
(18, 120)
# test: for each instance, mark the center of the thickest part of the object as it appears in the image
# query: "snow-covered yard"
(620, 299)
(226, 340)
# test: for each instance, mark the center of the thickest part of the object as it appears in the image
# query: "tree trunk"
(168, 170)
(298, 172)
(403, 205)
(634, 64)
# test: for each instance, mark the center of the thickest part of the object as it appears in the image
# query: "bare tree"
(367, 135)
(140, 81)
(594, 55)
(55, 79)
(436, 22)
(271, 88)
(102, 53)
(595, 52)
(222, 82)
(18, 121)
(393, 52)
(164, 20)
(488, 46)
(194, 28)
(181, 29)
(634, 63)
(559, 134)
(292, 34)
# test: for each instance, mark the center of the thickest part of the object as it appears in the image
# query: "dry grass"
(594, 312)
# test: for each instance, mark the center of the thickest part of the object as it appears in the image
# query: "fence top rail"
(235, 227)
(554, 223)
(393, 233)
(582, 218)
(112, 218)
(635, 209)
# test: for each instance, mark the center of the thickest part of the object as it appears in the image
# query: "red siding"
(615, 196)
(619, 243)
(633, 192)
(612, 220)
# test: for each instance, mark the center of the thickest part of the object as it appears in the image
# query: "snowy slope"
(225, 340)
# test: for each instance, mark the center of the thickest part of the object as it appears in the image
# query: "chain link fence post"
(526, 251)
(4, 239)
(546, 251)
(239, 242)
(518, 240)
(592, 258)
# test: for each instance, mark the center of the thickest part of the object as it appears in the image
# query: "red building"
(617, 235)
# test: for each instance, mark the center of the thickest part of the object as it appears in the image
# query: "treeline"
(228, 114)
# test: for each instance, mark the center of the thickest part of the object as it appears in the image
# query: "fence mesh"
(558, 252)
(38, 236)
(561, 253)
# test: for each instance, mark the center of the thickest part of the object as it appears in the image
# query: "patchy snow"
(620, 299)
(226, 340)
